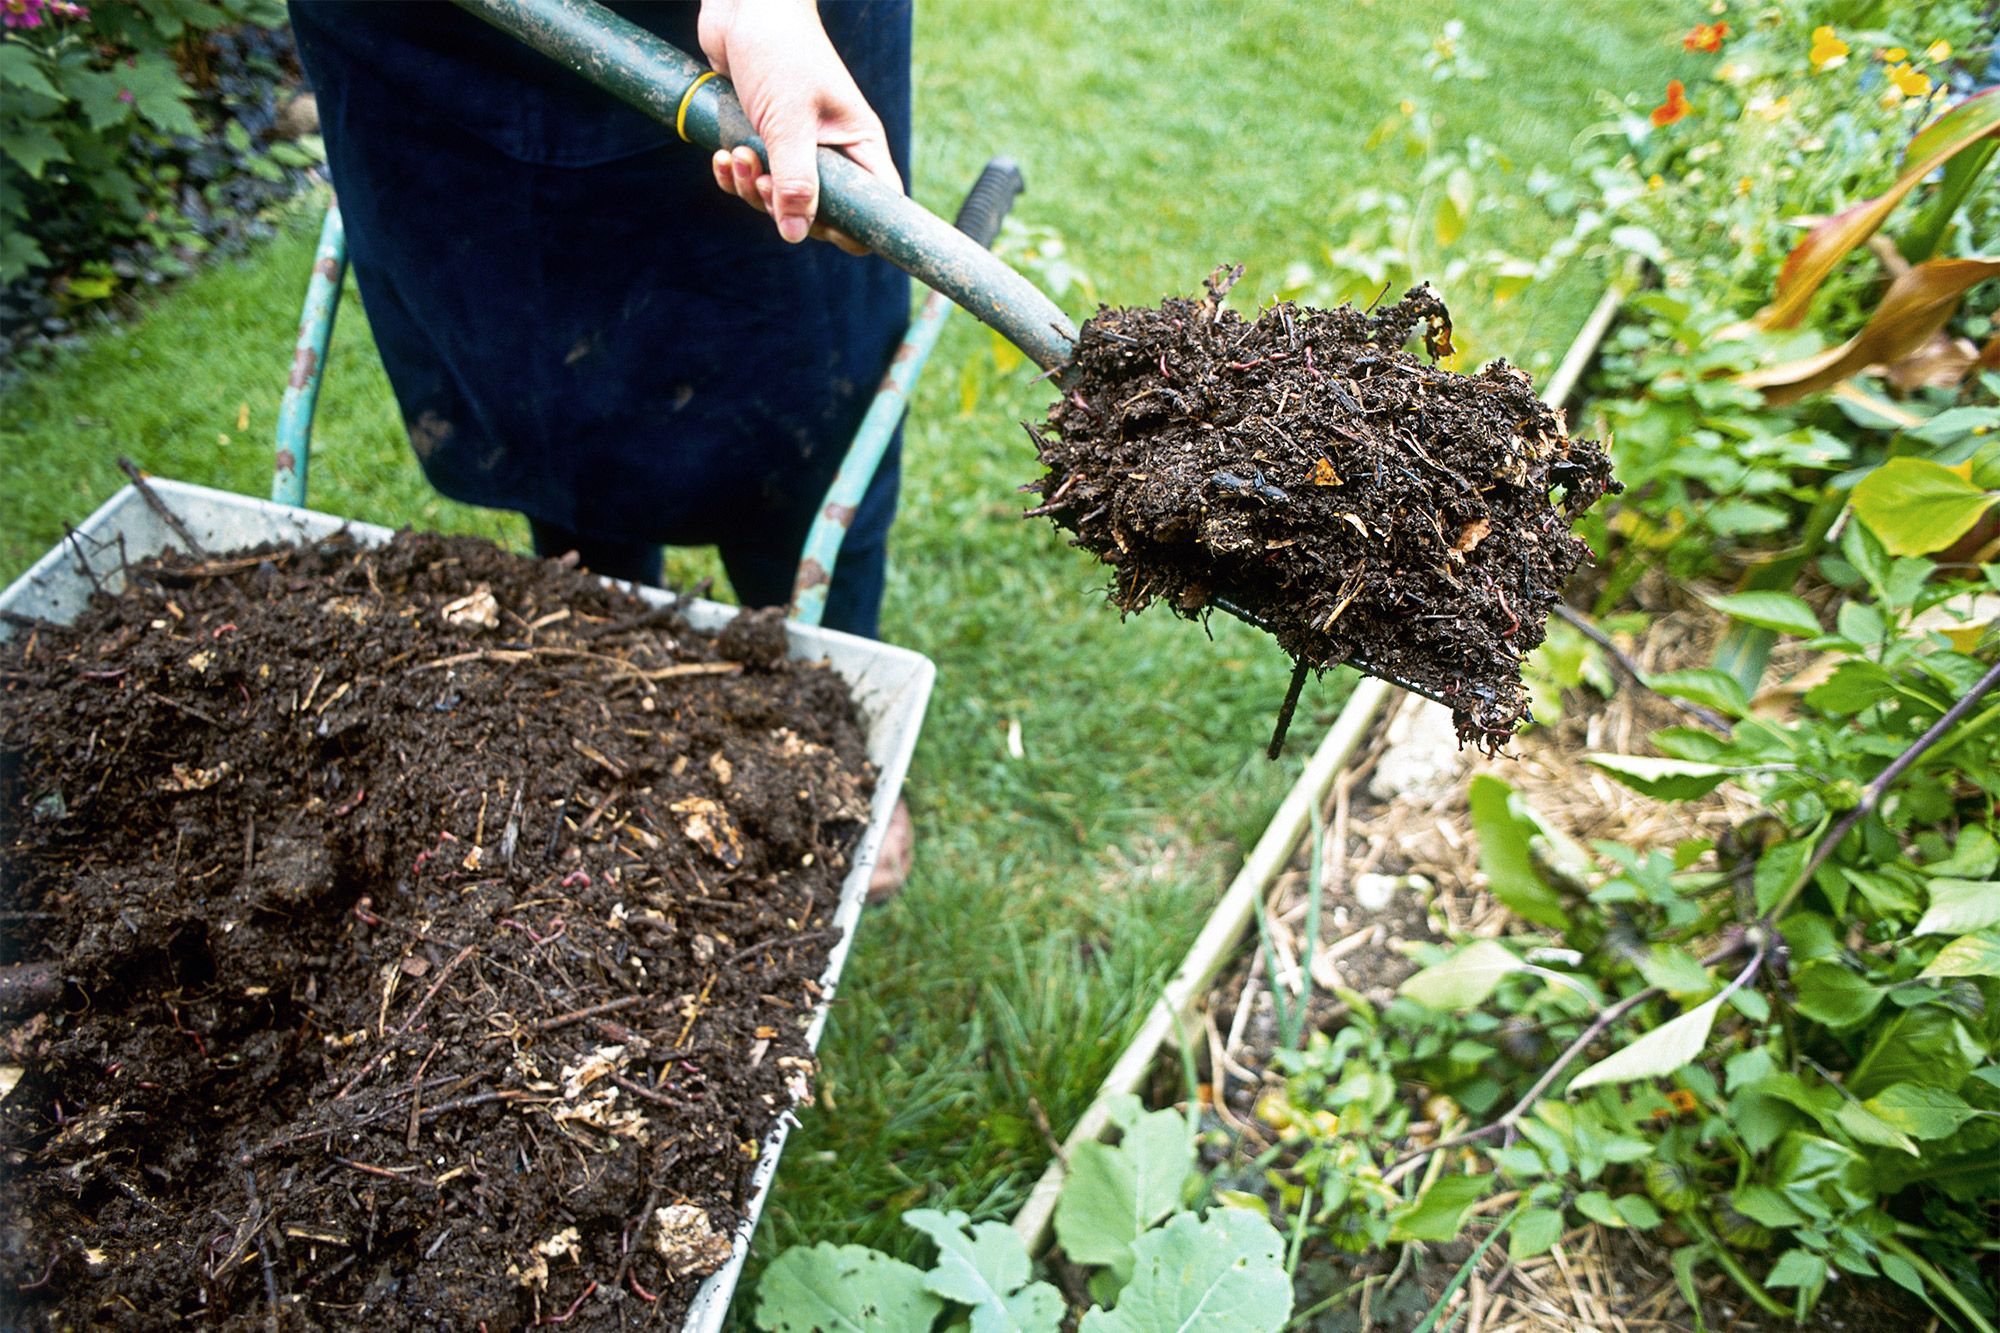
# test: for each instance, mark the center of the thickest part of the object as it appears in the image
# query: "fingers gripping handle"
(987, 205)
(665, 82)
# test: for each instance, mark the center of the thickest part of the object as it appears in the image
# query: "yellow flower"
(1656, 182)
(1894, 53)
(1765, 107)
(1828, 51)
(1743, 185)
(1407, 107)
(1909, 82)
(1937, 51)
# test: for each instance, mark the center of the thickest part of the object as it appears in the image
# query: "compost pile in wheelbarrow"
(433, 934)
(1360, 501)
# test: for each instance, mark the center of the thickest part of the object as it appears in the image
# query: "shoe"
(892, 861)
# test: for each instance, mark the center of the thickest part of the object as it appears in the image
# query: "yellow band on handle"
(681, 115)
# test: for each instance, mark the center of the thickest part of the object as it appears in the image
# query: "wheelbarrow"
(675, 88)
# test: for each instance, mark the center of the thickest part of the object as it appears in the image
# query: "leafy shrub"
(131, 141)
(1159, 1267)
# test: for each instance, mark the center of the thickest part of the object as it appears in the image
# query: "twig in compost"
(27, 988)
(436, 986)
(82, 561)
(1708, 717)
(804, 937)
(159, 506)
(588, 1011)
(180, 707)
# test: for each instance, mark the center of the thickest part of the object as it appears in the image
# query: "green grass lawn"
(1052, 892)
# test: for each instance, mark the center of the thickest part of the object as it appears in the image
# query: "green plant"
(98, 123)
(1815, 1087)
(1160, 1268)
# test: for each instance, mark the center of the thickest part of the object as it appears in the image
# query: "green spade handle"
(668, 84)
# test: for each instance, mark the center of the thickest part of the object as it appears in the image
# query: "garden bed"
(1401, 876)
(436, 934)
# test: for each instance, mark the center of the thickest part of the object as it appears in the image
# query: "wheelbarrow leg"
(979, 217)
(295, 413)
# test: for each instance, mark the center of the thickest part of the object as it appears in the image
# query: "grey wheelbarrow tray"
(890, 685)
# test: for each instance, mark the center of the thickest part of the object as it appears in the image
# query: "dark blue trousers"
(578, 325)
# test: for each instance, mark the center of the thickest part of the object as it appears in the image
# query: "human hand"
(799, 96)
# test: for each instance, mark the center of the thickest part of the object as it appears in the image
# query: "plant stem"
(1871, 796)
(1943, 1284)
(1708, 717)
(1597, 1027)
(1766, 1302)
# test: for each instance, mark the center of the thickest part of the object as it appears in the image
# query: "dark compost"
(1359, 501)
(420, 937)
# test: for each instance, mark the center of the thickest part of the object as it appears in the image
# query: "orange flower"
(1676, 105)
(1705, 37)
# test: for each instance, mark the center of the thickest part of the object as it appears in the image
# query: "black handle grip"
(991, 196)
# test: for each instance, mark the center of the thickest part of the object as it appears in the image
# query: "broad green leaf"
(1660, 1052)
(1966, 956)
(1464, 980)
(1927, 1046)
(1117, 1191)
(19, 68)
(159, 95)
(1916, 506)
(1917, 305)
(843, 1289)
(1663, 779)
(1597, 1206)
(1638, 1212)
(987, 1268)
(1439, 1214)
(1920, 1112)
(1675, 971)
(1506, 854)
(1833, 994)
(1777, 870)
(1960, 906)
(1797, 1268)
(1222, 1274)
(31, 146)
(1534, 1232)
(1780, 611)
(1974, 856)
(1718, 689)
(1854, 685)
(1814, 258)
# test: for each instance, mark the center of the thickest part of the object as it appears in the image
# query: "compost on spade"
(1362, 503)
(402, 937)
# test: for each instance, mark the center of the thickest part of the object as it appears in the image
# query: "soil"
(1303, 469)
(436, 929)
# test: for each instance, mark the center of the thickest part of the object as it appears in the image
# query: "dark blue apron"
(578, 325)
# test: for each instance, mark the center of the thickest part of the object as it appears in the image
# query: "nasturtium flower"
(1705, 37)
(1828, 51)
(1909, 82)
(1937, 52)
(1676, 105)
(1891, 54)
